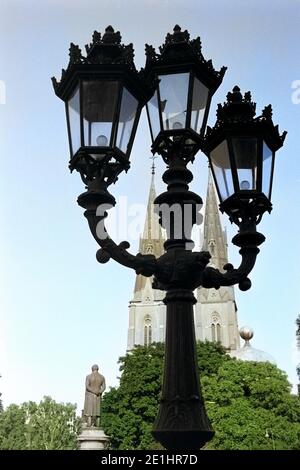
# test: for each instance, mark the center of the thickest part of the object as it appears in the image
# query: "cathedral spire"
(214, 239)
(152, 241)
(216, 311)
(147, 311)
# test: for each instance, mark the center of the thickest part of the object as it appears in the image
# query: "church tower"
(216, 311)
(147, 312)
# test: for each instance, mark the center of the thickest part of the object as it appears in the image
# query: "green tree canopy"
(13, 428)
(128, 411)
(250, 406)
(248, 403)
(44, 426)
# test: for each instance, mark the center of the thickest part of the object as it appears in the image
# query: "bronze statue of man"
(94, 387)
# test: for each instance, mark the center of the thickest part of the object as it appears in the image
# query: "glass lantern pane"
(266, 170)
(153, 115)
(128, 110)
(173, 100)
(98, 108)
(222, 169)
(74, 120)
(200, 96)
(245, 154)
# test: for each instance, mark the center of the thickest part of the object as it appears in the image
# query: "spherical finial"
(247, 352)
(246, 333)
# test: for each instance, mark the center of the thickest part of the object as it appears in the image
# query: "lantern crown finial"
(179, 48)
(237, 108)
(176, 37)
(108, 48)
(104, 49)
(240, 110)
(235, 95)
(111, 37)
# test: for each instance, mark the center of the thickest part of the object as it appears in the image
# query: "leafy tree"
(250, 407)
(240, 426)
(210, 357)
(44, 426)
(13, 428)
(249, 403)
(128, 412)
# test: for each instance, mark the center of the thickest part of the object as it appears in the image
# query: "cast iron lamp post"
(104, 95)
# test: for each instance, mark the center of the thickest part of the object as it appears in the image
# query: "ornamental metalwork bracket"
(179, 268)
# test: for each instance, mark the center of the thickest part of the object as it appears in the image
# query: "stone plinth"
(92, 439)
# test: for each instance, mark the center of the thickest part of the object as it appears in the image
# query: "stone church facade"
(215, 313)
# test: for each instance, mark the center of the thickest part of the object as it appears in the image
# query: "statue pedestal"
(92, 439)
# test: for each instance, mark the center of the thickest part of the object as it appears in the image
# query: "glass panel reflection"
(200, 96)
(222, 169)
(99, 105)
(74, 120)
(127, 114)
(173, 100)
(245, 153)
(266, 170)
(153, 115)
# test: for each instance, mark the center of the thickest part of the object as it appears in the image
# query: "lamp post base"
(184, 440)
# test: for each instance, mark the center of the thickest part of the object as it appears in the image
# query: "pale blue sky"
(60, 311)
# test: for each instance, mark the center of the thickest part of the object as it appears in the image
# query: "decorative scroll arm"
(212, 277)
(184, 268)
(176, 268)
(249, 242)
(142, 264)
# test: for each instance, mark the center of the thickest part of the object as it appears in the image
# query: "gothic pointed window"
(149, 249)
(218, 332)
(213, 332)
(212, 245)
(216, 328)
(147, 330)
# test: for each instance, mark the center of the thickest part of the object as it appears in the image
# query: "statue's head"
(95, 367)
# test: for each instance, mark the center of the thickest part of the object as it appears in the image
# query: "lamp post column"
(182, 422)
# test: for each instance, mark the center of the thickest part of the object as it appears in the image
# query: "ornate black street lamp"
(104, 95)
(241, 150)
